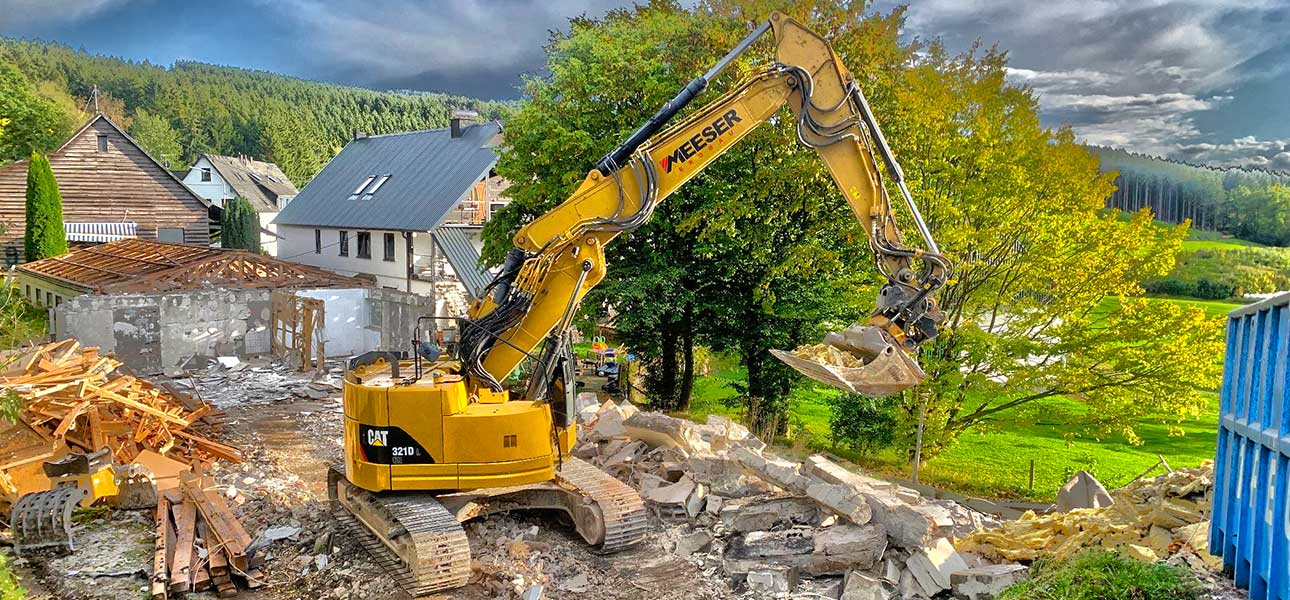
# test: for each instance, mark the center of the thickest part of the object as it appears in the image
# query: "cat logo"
(377, 437)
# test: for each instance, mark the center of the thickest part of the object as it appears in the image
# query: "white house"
(404, 210)
(221, 178)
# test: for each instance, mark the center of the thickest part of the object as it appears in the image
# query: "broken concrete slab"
(985, 583)
(695, 541)
(859, 585)
(910, 589)
(676, 501)
(783, 473)
(723, 433)
(843, 500)
(932, 565)
(660, 430)
(775, 513)
(764, 544)
(1083, 491)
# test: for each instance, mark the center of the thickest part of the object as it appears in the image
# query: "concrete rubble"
(773, 525)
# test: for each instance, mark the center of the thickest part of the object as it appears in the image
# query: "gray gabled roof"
(430, 173)
(260, 183)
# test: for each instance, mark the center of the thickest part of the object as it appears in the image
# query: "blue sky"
(1201, 80)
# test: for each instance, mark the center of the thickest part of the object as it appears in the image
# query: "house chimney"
(461, 119)
(358, 135)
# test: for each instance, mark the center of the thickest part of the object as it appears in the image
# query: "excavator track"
(418, 537)
(625, 521)
(408, 533)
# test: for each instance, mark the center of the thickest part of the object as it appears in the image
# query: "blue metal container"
(1251, 516)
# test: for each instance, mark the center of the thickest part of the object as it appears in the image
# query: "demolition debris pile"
(1150, 519)
(767, 521)
(72, 395)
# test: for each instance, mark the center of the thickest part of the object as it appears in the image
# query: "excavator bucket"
(861, 359)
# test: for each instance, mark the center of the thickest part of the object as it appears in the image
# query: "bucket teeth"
(44, 519)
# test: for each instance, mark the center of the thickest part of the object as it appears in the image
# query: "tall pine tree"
(45, 236)
(240, 226)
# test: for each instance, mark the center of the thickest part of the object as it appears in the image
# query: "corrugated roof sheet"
(464, 259)
(430, 172)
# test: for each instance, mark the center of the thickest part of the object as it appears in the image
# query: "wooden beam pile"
(200, 544)
(72, 394)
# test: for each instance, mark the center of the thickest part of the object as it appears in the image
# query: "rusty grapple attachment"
(861, 359)
(44, 519)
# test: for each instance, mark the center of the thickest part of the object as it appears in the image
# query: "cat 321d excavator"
(433, 441)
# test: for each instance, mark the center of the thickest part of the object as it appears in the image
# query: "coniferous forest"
(1247, 203)
(178, 113)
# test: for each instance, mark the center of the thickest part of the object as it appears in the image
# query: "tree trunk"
(686, 388)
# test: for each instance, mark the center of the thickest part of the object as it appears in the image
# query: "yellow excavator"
(434, 441)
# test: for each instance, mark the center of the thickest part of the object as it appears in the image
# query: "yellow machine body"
(429, 435)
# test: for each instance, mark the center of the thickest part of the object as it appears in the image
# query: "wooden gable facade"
(105, 177)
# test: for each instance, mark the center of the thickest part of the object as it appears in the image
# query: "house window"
(344, 243)
(364, 244)
(317, 241)
(173, 235)
(58, 300)
(206, 174)
(27, 291)
(389, 247)
(103, 144)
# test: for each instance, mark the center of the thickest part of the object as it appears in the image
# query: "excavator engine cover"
(887, 368)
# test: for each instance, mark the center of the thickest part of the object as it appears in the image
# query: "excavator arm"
(559, 256)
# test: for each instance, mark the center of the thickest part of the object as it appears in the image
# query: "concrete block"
(1083, 491)
(985, 583)
(853, 540)
(773, 580)
(695, 541)
(932, 565)
(859, 585)
(843, 500)
(660, 430)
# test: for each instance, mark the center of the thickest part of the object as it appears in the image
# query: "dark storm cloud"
(1197, 80)
(475, 47)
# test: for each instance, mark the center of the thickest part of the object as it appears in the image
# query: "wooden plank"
(160, 580)
(181, 576)
(224, 526)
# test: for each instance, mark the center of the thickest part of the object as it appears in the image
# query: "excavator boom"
(559, 256)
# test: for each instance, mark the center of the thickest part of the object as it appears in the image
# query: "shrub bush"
(1103, 575)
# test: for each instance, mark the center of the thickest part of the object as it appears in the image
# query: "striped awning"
(99, 232)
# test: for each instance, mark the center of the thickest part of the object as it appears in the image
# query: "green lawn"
(1212, 240)
(1213, 308)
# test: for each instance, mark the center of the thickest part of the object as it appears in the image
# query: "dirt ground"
(289, 441)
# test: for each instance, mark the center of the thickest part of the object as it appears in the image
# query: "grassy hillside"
(1217, 267)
